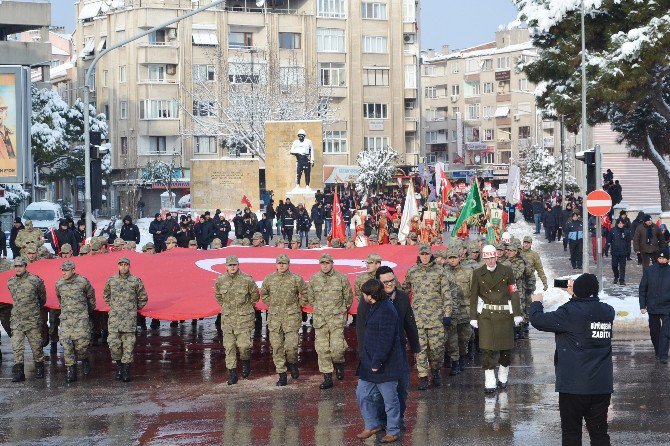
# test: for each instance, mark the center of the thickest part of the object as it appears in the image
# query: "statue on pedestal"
(304, 152)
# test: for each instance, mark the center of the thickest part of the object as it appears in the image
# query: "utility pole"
(585, 214)
(87, 87)
(562, 164)
(599, 220)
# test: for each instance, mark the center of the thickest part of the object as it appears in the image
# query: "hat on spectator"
(585, 286)
(664, 253)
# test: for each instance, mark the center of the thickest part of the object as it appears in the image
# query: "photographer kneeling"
(583, 358)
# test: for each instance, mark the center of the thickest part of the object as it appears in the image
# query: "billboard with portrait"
(14, 124)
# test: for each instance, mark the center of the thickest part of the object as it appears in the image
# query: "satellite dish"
(260, 3)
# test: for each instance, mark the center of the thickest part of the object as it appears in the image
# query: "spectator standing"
(222, 229)
(538, 211)
(279, 215)
(550, 220)
(129, 231)
(271, 215)
(639, 220)
(3, 243)
(317, 218)
(265, 228)
(156, 229)
(655, 300)
(647, 241)
(303, 224)
(18, 225)
(288, 223)
(328, 217)
(574, 231)
(619, 242)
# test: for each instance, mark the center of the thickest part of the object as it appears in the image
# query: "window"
(472, 89)
(410, 76)
(158, 37)
(410, 104)
(204, 108)
(335, 141)
(433, 114)
(455, 111)
(431, 137)
(246, 73)
(524, 132)
(429, 70)
(408, 11)
(157, 144)
(523, 84)
(330, 40)
(375, 44)
(376, 76)
(241, 40)
(159, 109)
(123, 109)
(89, 46)
(430, 92)
(375, 142)
(505, 156)
(502, 63)
(504, 134)
(374, 10)
(488, 158)
(156, 73)
(203, 73)
(524, 108)
(204, 144)
(503, 87)
(454, 67)
(332, 74)
(124, 145)
(454, 135)
(122, 74)
(333, 9)
(289, 41)
(472, 134)
(455, 90)
(487, 65)
(488, 135)
(472, 112)
(488, 111)
(471, 65)
(93, 79)
(375, 111)
(488, 87)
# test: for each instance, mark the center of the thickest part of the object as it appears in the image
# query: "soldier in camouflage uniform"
(66, 251)
(285, 293)
(85, 250)
(5, 309)
(77, 302)
(523, 274)
(30, 255)
(460, 330)
(372, 263)
(330, 295)
(533, 259)
(257, 240)
(236, 293)
(125, 295)
(440, 257)
(54, 315)
(280, 243)
(29, 237)
(431, 301)
(472, 261)
(29, 296)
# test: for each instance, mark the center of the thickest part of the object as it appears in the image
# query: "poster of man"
(8, 124)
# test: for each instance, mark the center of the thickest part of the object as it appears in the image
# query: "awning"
(90, 10)
(89, 46)
(205, 37)
(101, 44)
(501, 112)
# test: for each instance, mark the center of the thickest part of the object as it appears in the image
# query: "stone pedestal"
(302, 195)
(221, 183)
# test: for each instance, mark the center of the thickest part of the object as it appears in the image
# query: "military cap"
(216, 243)
(20, 261)
(148, 245)
(131, 245)
(279, 241)
(66, 248)
(67, 266)
(96, 244)
(453, 251)
(325, 257)
(30, 249)
(513, 245)
(515, 239)
(28, 223)
(171, 239)
(336, 243)
(412, 236)
(473, 247)
(424, 249)
(442, 253)
(246, 242)
(124, 260)
(119, 242)
(501, 246)
(257, 236)
(84, 249)
(283, 258)
(232, 260)
(528, 238)
(314, 241)
(194, 243)
(373, 258)
(294, 239)
(393, 237)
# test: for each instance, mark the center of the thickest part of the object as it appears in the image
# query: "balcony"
(163, 53)
(17, 16)
(25, 53)
(504, 144)
(411, 125)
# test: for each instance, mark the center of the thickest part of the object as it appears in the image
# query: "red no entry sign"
(598, 203)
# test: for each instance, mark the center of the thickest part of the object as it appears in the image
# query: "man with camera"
(583, 358)
(655, 300)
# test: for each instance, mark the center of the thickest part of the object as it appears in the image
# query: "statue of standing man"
(304, 152)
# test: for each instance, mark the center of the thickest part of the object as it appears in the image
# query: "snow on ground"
(628, 316)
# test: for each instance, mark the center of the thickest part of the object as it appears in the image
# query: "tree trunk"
(663, 169)
(664, 188)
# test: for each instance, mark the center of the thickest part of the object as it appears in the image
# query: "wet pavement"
(179, 396)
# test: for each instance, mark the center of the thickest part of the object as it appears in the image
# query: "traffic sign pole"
(599, 229)
(598, 204)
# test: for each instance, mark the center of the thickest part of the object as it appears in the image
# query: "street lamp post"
(585, 214)
(87, 86)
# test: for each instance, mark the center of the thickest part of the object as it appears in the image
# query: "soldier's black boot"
(71, 373)
(17, 373)
(125, 372)
(282, 380)
(423, 383)
(339, 371)
(327, 381)
(293, 368)
(39, 370)
(471, 348)
(85, 367)
(437, 379)
(119, 371)
(246, 368)
(455, 368)
(232, 377)
(54, 346)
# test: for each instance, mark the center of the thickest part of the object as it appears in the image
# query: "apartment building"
(478, 110)
(365, 54)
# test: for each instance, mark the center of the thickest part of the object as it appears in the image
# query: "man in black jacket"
(655, 300)
(157, 229)
(64, 235)
(618, 240)
(16, 227)
(129, 231)
(408, 331)
(583, 359)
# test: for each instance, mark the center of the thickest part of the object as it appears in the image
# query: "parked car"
(45, 216)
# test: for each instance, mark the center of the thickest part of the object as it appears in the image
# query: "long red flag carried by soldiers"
(338, 231)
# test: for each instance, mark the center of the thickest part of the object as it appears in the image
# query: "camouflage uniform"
(5, 309)
(125, 295)
(28, 236)
(237, 294)
(523, 275)
(460, 330)
(431, 301)
(532, 258)
(77, 301)
(285, 294)
(330, 296)
(29, 295)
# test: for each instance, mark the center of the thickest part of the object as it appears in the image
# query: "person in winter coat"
(655, 300)
(647, 241)
(222, 229)
(157, 230)
(207, 231)
(64, 235)
(303, 224)
(185, 233)
(271, 215)
(3, 243)
(265, 228)
(16, 227)
(129, 231)
(538, 212)
(583, 359)
(249, 224)
(633, 229)
(170, 226)
(619, 242)
(566, 216)
(550, 220)
(279, 214)
(328, 218)
(574, 231)
(288, 223)
(317, 218)
(238, 222)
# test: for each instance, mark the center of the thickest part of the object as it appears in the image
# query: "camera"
(560, 283)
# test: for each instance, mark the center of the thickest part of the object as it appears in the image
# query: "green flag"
(472, 206)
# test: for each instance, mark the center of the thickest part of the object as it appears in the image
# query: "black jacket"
(130, 232)
(619, 240)
(170, 227)
(185, 235)
(12, 235)
(64, 236)
(583, 357)
(222, 227)
(207, 230)
(317, 215)
(655, 289)
(303, 223)
(538, 207)
(154, 227)
(382, 349)
(405, 316)
(550, 219)
(574, 230)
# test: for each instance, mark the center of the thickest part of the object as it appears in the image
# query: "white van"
(44, 215)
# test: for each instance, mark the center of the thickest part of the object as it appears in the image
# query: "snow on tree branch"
(540, 170)
(377, 168)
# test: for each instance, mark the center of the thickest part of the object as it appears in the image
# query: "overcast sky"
(459, 23)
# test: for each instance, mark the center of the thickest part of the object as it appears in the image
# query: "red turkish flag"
(339, 230)
(446, 187)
